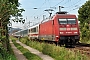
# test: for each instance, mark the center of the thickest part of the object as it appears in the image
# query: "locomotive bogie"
(47, 37)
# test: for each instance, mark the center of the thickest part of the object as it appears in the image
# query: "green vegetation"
(4, 55)
(26, 52)
(8, 9)
(84, 18)
(57, 52)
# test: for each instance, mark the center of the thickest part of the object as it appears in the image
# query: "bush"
(4, 55)
(7, 55)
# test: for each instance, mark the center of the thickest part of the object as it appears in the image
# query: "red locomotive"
(62, 28)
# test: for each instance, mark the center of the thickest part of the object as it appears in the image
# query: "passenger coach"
(33, 32)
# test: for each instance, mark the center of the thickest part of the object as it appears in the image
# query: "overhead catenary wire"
(43, 4)
(74, 8)
(71, 7)
(49, 3)
(66, 2)
(54, 5)
(75, 4)
(59, 3)
(38, 8)
(62, 2)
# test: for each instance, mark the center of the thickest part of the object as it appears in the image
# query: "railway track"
(82, 48)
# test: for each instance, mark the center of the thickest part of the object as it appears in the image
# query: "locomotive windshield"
(67, 21)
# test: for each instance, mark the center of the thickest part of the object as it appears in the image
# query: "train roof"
(33, 26)
(62, 12)
(21, 30)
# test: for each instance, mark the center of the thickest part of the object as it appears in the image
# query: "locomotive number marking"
(68, 28)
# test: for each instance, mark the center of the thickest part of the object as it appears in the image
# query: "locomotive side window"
(62, 21)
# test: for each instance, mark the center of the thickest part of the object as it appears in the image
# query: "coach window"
(62, 21)
(29, 30)
(33, 30)
(36, 29)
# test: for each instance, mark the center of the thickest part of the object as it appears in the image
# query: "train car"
(24, 33)
(62, 28)
(21, 33)
(33, 32)
(16, 34)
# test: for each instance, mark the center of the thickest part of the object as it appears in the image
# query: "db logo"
(68, 28)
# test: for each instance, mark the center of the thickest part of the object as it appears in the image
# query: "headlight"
(62, 28)
(61, 32)
(75, 32)
(57, 36)
(73, 28)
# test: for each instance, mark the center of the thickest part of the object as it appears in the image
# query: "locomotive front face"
(68, 27)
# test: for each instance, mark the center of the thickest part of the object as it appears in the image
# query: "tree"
(84, 13)
(8, 9)
(84, 18)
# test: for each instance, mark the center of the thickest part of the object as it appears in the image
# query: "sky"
(36, 15)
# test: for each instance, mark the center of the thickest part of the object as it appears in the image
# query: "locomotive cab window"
(67, 21)
(62, 21)
(71, 21)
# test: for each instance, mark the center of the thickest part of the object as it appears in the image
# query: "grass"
(58, 53)
(5, 55)
(26, 52)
